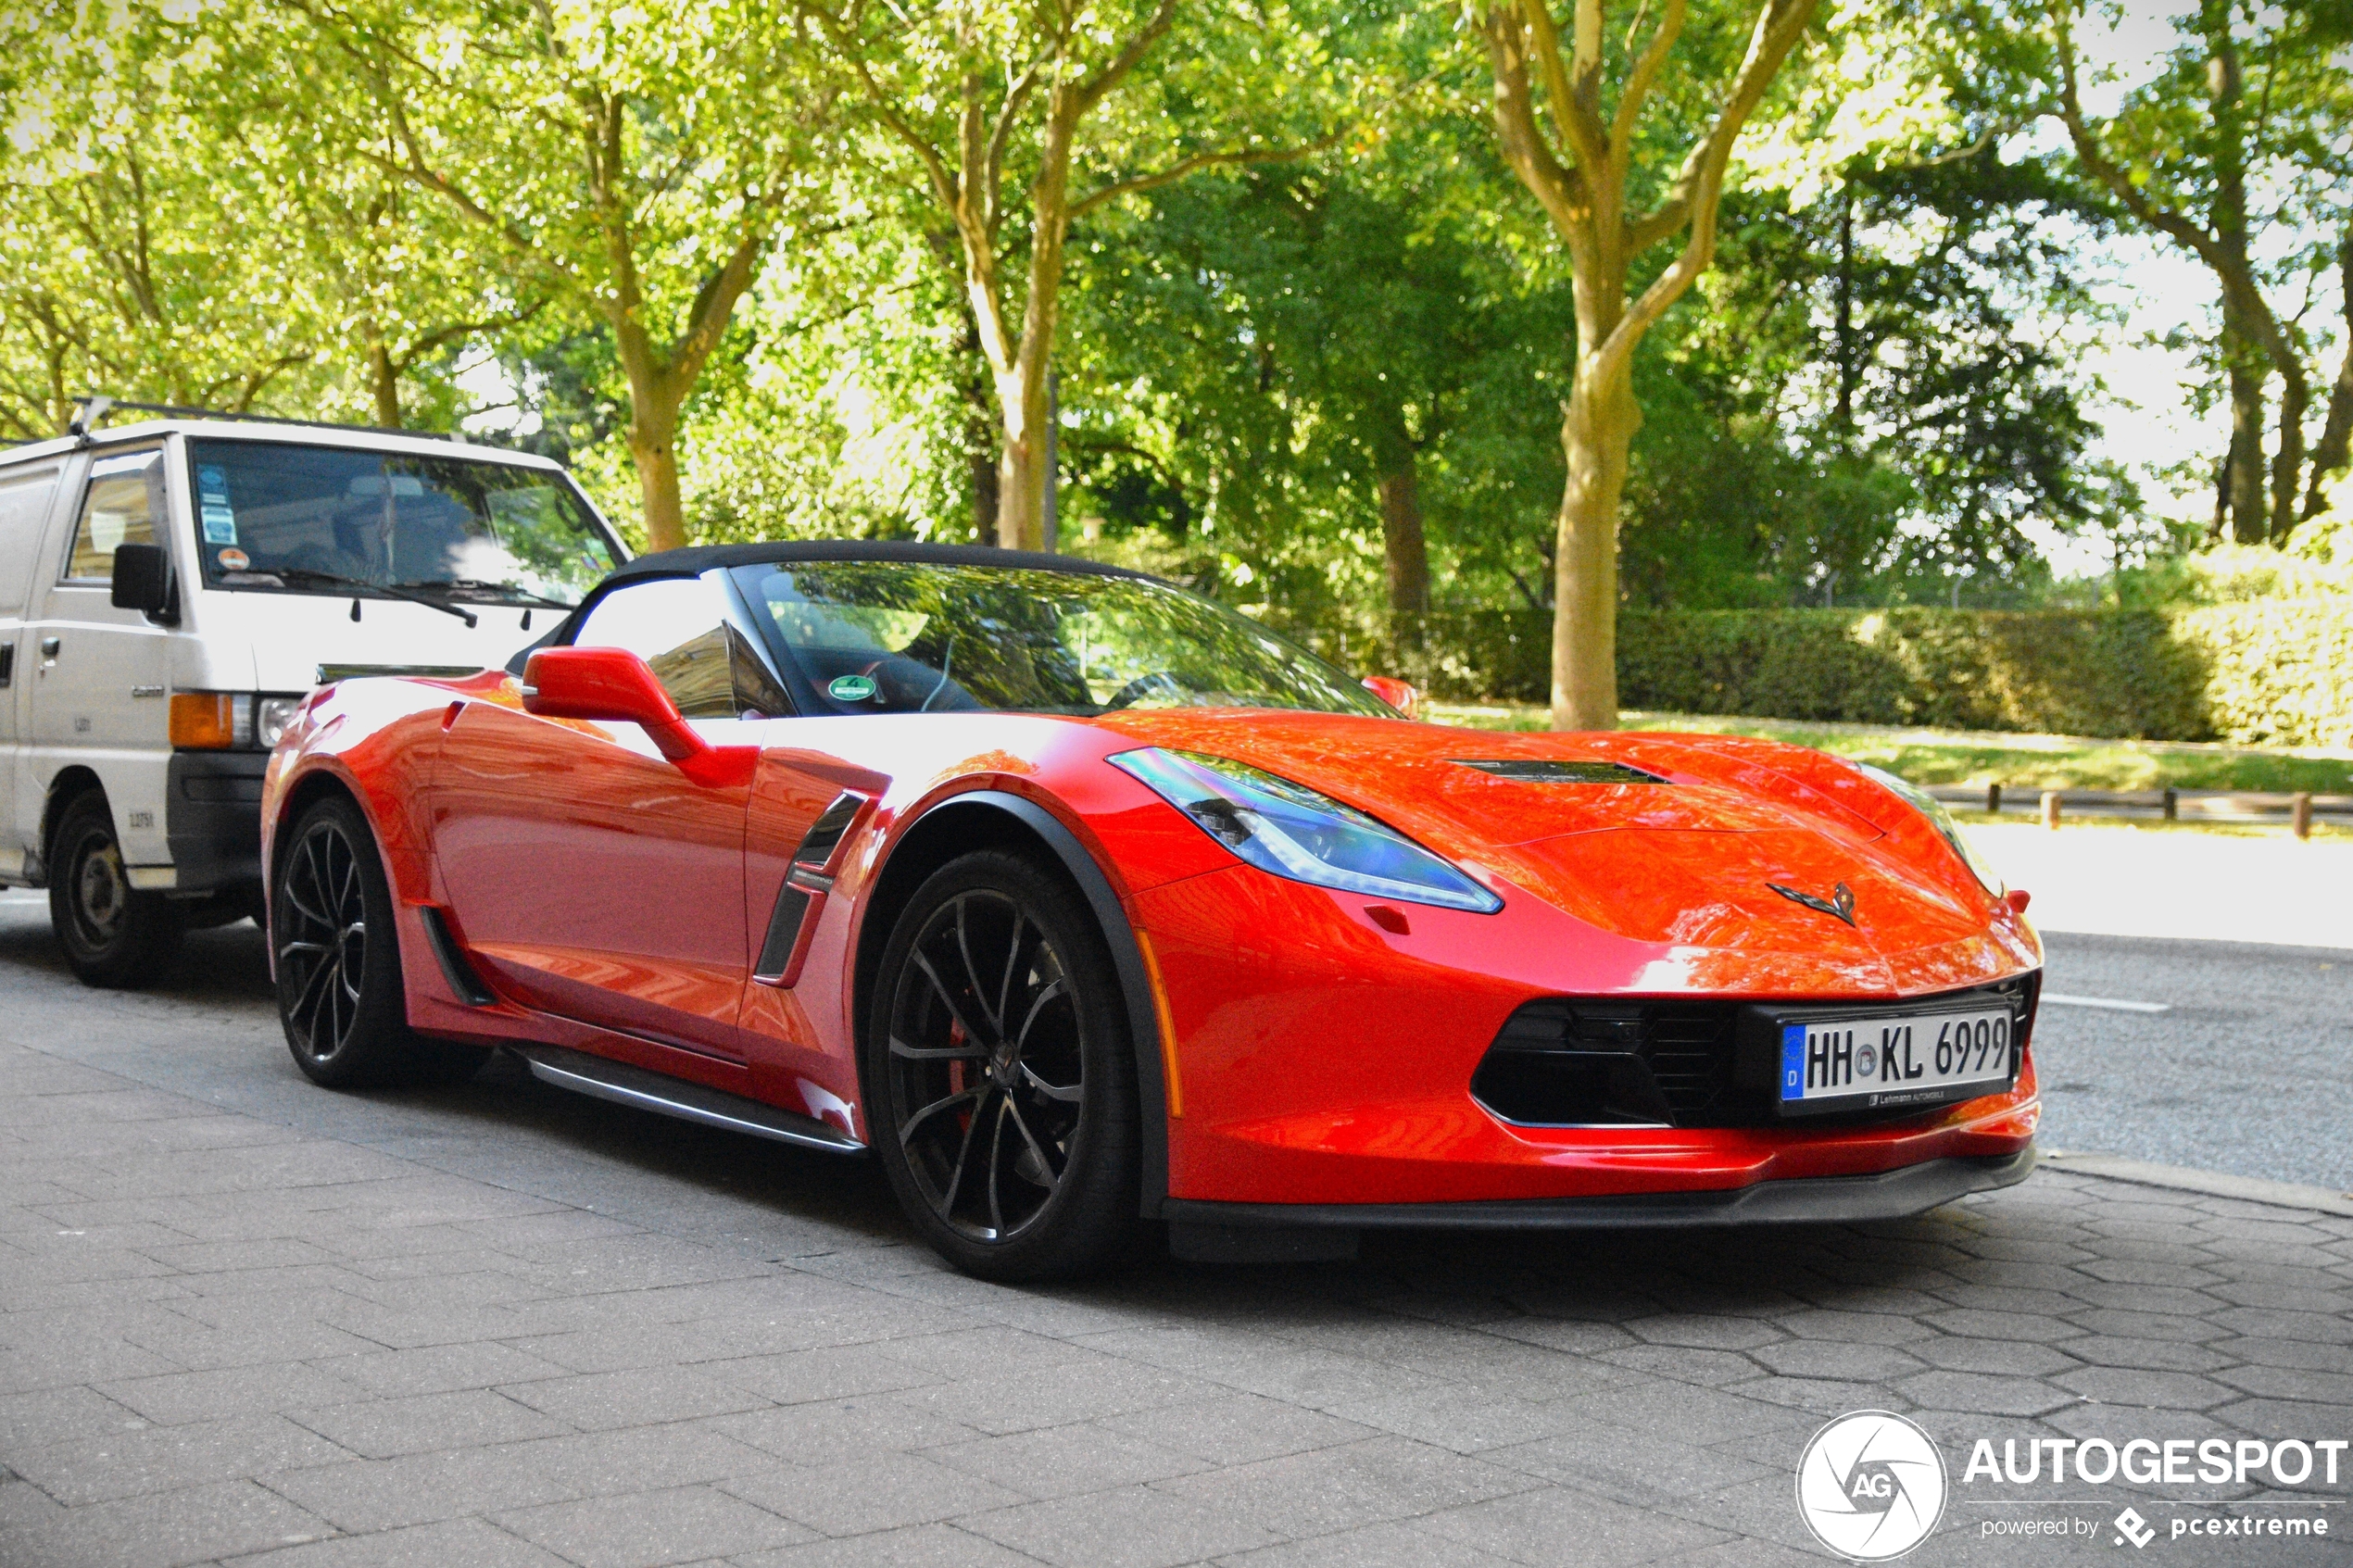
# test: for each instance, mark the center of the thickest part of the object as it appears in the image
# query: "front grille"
(1573, 1061)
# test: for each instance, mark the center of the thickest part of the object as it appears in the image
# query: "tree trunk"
(1597, 434)
(2287, 466)
(1848, 372)
(1020, 456)
(2245, 480)
(1402, 537)
(384, 378)
(1021, 382)
(980, 462)
(980, 426)
(2336, 446)
(653, 448)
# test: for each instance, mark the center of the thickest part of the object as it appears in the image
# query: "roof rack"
(92, 406)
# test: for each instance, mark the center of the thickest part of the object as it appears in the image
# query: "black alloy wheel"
(1004, 1089)
(113, 935)
(340, 994)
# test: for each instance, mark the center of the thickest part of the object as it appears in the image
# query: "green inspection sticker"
(850, 688)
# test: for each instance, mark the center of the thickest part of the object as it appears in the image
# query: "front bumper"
(212, 820)
(1321, 1057)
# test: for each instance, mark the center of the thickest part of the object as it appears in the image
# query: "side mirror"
(142, 577)
(1400, 694)
(614, 687)
(607, 687)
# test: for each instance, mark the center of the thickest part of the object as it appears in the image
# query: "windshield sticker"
(220, 523)
(850, 688)
(234, 560)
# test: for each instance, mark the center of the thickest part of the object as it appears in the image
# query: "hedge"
(2273, 673)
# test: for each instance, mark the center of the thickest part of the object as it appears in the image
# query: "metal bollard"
(1993, 801)
(2301, 814)
(2172, 805)
(2050, 808)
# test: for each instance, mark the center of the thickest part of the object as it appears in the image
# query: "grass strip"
(1969, 757)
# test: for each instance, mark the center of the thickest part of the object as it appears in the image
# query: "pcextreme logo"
(1870, 1485)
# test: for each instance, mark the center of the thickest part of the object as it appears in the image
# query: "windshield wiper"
(307, 574)
(482, 586)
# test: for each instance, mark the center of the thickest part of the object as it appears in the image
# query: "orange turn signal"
(203, 720)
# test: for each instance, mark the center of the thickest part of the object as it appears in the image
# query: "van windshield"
(326, 520)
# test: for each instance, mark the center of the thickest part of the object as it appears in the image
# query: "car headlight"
(1941, 820)
(1291, 831)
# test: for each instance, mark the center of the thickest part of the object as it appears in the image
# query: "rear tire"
(113, 935)
(1002, 1080)
(340, 997)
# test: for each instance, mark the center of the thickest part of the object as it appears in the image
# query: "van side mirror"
(142, 577)
(1400, 694)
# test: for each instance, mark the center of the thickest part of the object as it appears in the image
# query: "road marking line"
(2057, 999)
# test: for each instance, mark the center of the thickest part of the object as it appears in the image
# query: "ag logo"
(1870, 1485)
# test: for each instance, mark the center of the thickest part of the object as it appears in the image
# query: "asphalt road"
(2249, 1069)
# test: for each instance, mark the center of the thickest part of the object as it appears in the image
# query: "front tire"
(340, 994)
(113, 935)
(1001, 1077)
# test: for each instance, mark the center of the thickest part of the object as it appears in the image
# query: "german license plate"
(1894, 1061)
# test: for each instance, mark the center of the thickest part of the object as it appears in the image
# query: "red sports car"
(1084, 904)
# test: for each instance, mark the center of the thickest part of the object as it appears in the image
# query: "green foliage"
(2273, 672)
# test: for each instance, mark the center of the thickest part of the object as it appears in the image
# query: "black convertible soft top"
(695, 560)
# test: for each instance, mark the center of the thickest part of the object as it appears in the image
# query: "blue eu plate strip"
(1792, 1061)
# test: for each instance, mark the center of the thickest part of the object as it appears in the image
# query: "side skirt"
(625, 1085)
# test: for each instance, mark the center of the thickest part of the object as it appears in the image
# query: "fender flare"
(1119, 935)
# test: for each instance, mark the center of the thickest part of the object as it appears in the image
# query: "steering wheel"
(1143, 687)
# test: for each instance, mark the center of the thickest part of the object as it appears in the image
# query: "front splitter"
(1300, 1231)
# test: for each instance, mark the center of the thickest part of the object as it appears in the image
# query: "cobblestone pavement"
(240, 1316)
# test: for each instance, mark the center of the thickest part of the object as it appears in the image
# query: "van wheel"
(113, 934)
(340, 992)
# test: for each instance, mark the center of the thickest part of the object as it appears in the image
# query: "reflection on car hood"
(1682, 855)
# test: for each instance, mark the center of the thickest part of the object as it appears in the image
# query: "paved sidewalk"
(240, 1315)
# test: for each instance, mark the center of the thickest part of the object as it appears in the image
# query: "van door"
(100, 689)
(27, 495)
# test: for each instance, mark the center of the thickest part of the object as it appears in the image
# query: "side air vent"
(807, 882)
(455, 967)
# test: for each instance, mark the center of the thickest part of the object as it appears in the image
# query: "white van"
(170, 590)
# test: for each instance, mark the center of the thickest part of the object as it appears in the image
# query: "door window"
(124, 505)
(685, 631)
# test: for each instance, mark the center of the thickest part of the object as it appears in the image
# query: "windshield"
(322, 519)
(893, 637)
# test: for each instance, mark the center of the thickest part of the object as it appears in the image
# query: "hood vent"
(1532, 771)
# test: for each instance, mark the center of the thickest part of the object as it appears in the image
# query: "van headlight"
(1941, 820)
(271, 716)
(1292, 831)
(231, 721)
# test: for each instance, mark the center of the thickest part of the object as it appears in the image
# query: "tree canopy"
(1359, 313)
